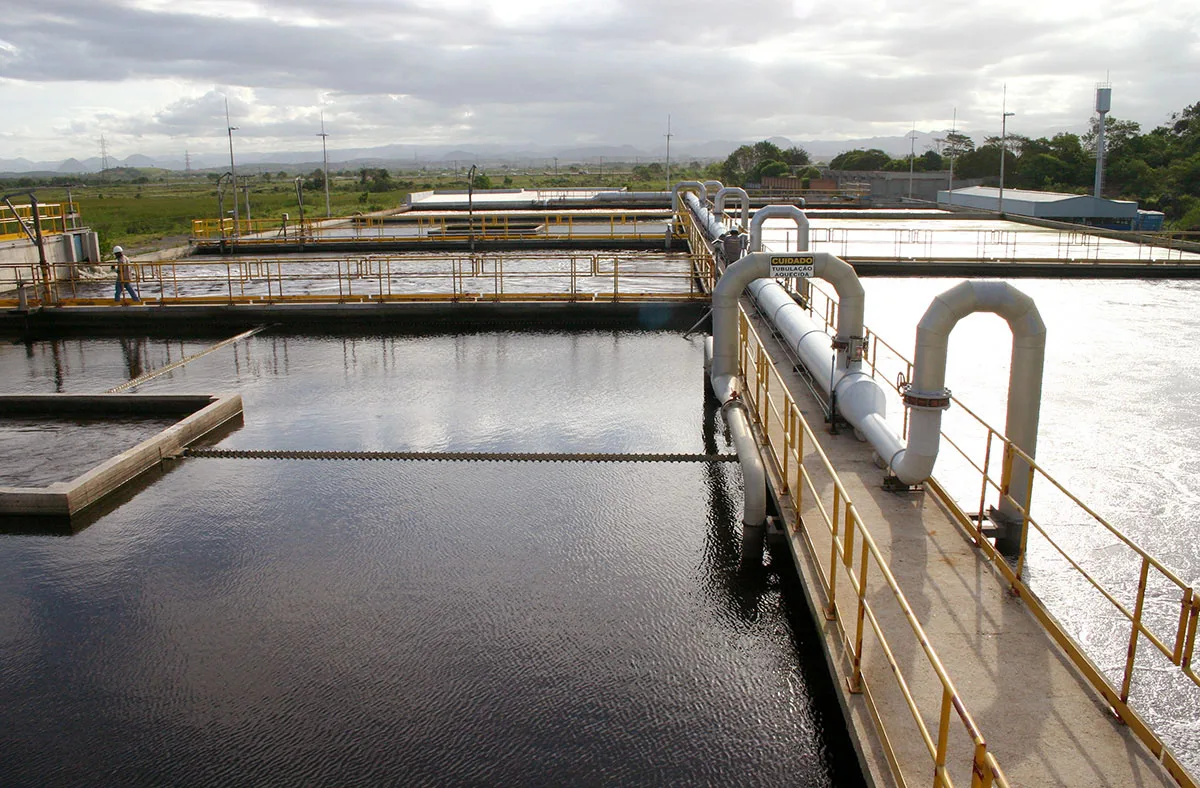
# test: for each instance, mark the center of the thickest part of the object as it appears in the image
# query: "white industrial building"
(1055, 206)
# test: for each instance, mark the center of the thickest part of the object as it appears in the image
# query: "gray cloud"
(462, 72)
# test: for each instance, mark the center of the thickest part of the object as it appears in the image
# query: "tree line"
(1160, 169)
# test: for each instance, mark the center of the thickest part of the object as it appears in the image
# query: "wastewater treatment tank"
(339, 621)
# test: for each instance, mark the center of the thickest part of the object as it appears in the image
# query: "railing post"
(1189, 646)
(1136, 629)
(799, 494)
(831, 608)
(1185, 605)
(981, 770)
(787, 437)
(987, 460)
(939, 758)
(856, 674)
(1024, 517)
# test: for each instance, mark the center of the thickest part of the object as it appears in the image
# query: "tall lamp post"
(471, 206)
(232, 172)
(1004, 116)
(912, 154)
(953, 147)
(325, 160)
(668, 136)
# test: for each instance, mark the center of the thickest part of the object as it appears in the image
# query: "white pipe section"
(711, 225)
(754, 473)
(1024, 381)
(712, 187)
(757, 265)
(692, 186)
(734, 191)
(779, 212)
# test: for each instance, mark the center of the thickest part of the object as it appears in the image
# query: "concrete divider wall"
(69, 498)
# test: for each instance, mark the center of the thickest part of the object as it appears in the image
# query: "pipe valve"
(926, 400)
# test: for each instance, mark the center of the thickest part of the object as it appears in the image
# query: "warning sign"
(792, 265)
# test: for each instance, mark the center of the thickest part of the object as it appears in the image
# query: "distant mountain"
(17, 165)
(522, 154)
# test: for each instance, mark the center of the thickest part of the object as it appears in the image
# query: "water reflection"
(460, 623)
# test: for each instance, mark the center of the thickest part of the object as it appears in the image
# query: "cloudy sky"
(152, 76)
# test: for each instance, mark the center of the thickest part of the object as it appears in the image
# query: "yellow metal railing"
(53, 217)
(852, 572)
(565, 276)
(812, 491)
(1170, 626)
(459, 228)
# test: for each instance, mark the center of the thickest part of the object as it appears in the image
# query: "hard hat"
(118, 250)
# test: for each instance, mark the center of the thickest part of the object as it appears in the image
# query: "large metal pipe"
(862, 403)
(734, 191)
(757, 265)
(712, 187)
(692, 186)
(709, 223)
(778, 212)
(1024, 381)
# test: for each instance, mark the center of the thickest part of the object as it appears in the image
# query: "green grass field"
(159, 213)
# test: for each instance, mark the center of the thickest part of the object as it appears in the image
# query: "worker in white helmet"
(126, 276)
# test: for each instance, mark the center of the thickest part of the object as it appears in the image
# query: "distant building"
(895, 186)
(1055, 206)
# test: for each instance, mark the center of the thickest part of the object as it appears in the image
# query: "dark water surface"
(36, 452)
(341, 622)
(85, 365)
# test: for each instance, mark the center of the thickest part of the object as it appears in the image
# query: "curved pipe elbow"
(693, 186)
(754, 474)
(779, 212)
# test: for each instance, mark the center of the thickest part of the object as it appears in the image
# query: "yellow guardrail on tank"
(1170, 628)
(852, 575)
(53, 217)
(546, 276)
(457, 227)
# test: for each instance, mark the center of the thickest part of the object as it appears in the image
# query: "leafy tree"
(872, 159)
(771, 169)
(748, 162)
(315, 181)
(1117, 134)
(955, 144)
(796, 156)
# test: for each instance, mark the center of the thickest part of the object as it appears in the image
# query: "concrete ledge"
(420, 317)
(66, 499)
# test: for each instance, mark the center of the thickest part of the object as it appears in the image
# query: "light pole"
(912, 152)
(221, 202)
(325, 160)
(232, 172)
(471, 207)
(1004, 116)
(953, 146)
(669, 135)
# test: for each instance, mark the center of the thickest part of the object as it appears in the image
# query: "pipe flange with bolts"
(926, 400)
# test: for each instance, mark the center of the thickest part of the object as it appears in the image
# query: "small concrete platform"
(1043, 722)
(201, 414)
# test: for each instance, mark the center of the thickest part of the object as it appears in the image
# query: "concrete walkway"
(1043, 722)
